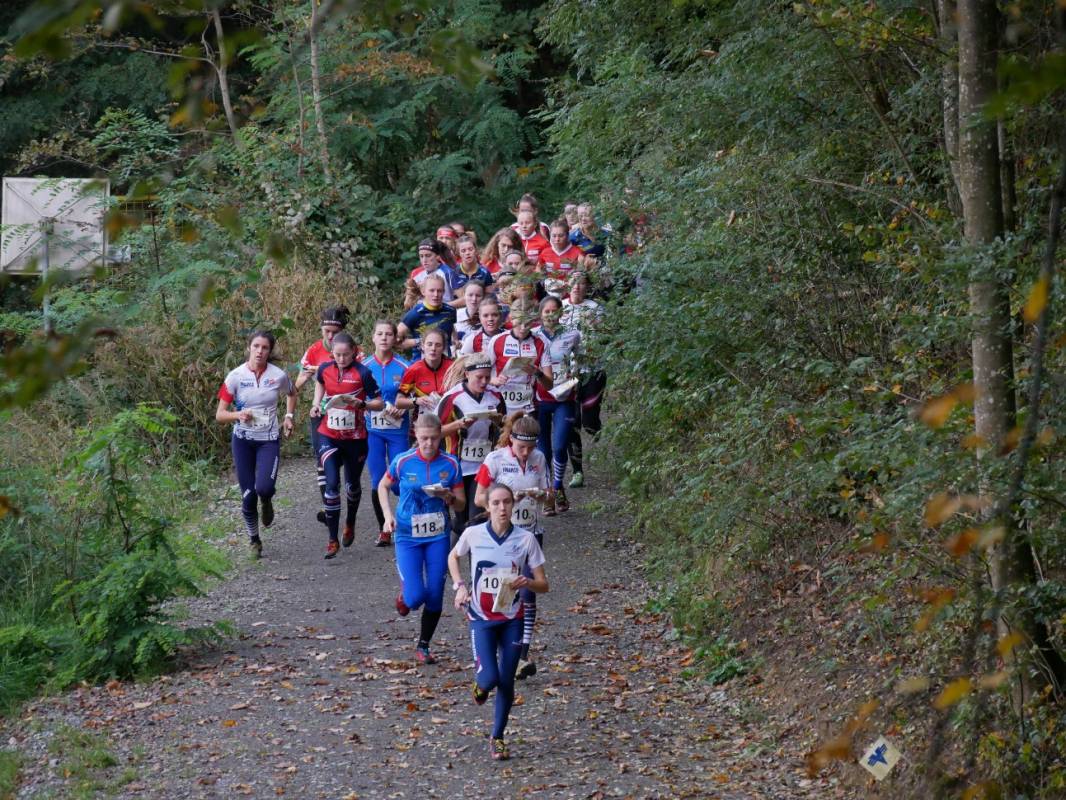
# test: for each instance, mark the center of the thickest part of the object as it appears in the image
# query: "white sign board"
(67, 214)
(880, 757)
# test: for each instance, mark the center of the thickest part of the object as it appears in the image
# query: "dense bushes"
(801, 316)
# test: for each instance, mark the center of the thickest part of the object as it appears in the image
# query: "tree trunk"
(993, 363)
(949, 90)
(316, 94)
(221, 67)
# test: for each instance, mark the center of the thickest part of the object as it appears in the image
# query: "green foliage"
(133, 146)
(799, 296)
(91, 562)
(10, 764)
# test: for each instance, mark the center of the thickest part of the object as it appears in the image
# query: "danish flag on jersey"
(534, 245)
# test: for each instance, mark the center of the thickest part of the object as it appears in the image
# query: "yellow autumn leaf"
(961, 543)
(953, 693)
(5, 506)
(940, 509)
(1037, 301)
(936, 411)
(1005, 645)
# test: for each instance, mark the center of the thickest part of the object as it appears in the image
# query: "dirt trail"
(320, 697)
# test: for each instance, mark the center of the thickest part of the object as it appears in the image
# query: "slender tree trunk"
(300, 105)
(316, 94)
(949, 89)
(993, 365)
(222, 67)
(979, 185)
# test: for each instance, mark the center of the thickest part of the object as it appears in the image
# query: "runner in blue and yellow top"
(430, 484)
(506, 562)
(388, 428)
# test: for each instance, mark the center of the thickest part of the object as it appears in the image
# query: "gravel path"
(320, 697)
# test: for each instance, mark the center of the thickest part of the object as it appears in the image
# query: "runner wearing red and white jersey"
(470, 413)
(333, 320)
(490, 315)
(344, 391)
(533, 241)
(529, 202)
(496, 249)
(559, 260)
(516, 383)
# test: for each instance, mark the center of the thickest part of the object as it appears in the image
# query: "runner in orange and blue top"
(503, 558)
(430, 484)
(344, 391)
(468, 268)
(388, 429)
(423, 383)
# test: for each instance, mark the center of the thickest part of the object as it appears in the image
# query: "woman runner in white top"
(253, 390)
(518, 463)
(503, 558)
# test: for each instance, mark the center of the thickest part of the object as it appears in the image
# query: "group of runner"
(473, 431)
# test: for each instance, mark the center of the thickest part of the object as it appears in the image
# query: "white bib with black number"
(494, 579)
(262, 418)
(475, 449)
(526, 513)
(379, 420)
(340, 419)
(424, 526)
(517, 396)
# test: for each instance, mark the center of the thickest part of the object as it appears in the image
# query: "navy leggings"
(496, 649)
(529, 605)
(256, 462)
(332, 455)
(556, 424)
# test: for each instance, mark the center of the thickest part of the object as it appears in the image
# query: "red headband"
(445, 233)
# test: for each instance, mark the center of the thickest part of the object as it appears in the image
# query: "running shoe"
(479, 694)
(384, 539)
(255, 545)
(549, 506)
(577, 481)
(526, 669)
(268, 512)
(332, 548)
(349, 535)
(562, 505)
(498, 750)
(423, 656)
(401, 606)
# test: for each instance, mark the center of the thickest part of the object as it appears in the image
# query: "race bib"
(262, 419)
(495, 579)
(340, 419)
(517, 396)
(424, 526)
(475, 449)
(526, 513)
(379, 420)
